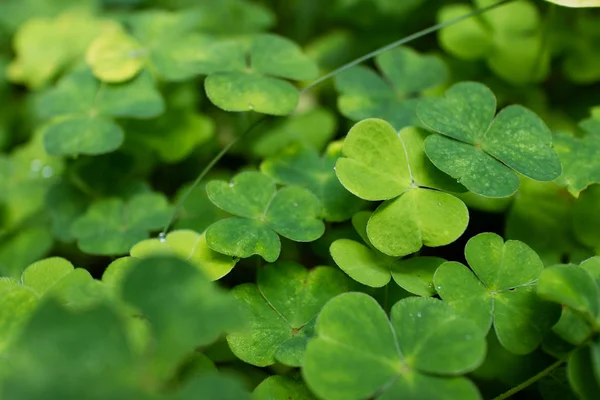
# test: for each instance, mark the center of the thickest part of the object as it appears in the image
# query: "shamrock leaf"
(167, 291)
(258, 85)
(163, 41)
(380, 164)
(17, 303)
(364, 94)
(358, 354)
(282, 387)
(190, 246)
(581, 166)
(64, 203)
(83, 109)
(509, 38)
(369, 266)
(586, 218)
(54, 339)
(263, 212)
(112, 226)
(302, 166)
(484, 152)
(281, 308)
(313, 129)
(500, 288)
(45, 47)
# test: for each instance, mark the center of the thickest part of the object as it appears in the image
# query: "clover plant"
(301, 200)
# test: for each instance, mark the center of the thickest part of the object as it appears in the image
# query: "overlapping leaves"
(380, 164)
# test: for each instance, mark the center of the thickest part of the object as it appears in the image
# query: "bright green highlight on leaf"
(281, 309)
(482, 151)
(367, 265)
(259, 85)
(190, 246)
(577, 3)
(112, 226)
(499, 289)
(83, 111)
(380, 164)
(302, 166)
(406, 73)
(358, 353)
(262, 213)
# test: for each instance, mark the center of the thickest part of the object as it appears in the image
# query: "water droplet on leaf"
(251, 106)
(162, 237)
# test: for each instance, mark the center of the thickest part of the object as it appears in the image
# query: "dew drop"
(36, 165)
(419, 314)
(47, 171)
(162, 237)
(251, 106)
(439, 287)
(231, 184)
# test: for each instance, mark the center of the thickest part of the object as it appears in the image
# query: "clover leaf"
(302, 166)
(163, 41)
(64, 203)
(17, 303)
(509, 38)
(581, 166)
(482, 151)
(190, 246)
(406, 74)
(358, 354)
(112, 226)
(282, 387)
(586, 217)
(82, 111)
(369, 266)
(380, 164)
(281, 308)
(499, 289)
(21, 248)
(177, 301)
(45, 47)
(263, 213)
(251, 78)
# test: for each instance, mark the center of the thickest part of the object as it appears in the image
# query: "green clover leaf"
(281, 308)
(579, 159)
(364, 94)
(82, 111)
(369, 266)
(233, 85)
(263, 212)
(64, 203)
(190, 246)
(586, 218)
(112, 226)
(163, 41)
(282, 387)
(499, 289)
(302, 166)
(380, 164)
(509, 38)
(17, 303)
(45, 47)
(177, 301)
(23, 247)
(358, 354)
(482, 151)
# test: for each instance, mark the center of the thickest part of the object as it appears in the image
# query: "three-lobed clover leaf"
(358, 353)
(184, 309)
(262, 213)
(586, 218)
(579, 159)
(302, 166)
(499, 289)
(112, 226)
(162, 41)
(380, 164)
(83, 111)
(281, 309)
(392, 97)
(190, 246)
(484, 151)
(252, 76)
(367, 265)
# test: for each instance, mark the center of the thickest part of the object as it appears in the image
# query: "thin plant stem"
(317, 82)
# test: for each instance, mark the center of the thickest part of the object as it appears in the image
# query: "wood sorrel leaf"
(482, 151)
(497, 289)
(281, 308)
(581, 166)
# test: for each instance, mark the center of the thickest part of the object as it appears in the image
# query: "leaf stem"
(402, 41)
(534, 378)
